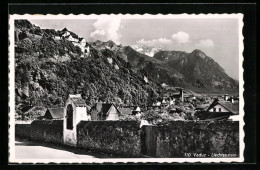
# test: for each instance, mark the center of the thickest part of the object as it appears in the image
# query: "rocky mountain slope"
(194, 70)
(199, 70)
(154, 69)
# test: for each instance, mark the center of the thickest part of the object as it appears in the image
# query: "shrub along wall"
(22, 130)
(116, 137)
(178, 138)
(47, 131)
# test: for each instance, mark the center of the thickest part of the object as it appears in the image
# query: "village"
(137, 127)
(178, 103)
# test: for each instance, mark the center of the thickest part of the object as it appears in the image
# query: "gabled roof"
(20, 93)
(78, 102)
(88, 108)
(56, 113)
(81, 38)
(137, 109)
(232, 107)
(104, 108)
(175, 93)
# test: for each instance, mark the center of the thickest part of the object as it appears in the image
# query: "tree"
(151, 116)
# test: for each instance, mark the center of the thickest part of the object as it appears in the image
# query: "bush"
(35, 113)
(128, 118)
(150, 116)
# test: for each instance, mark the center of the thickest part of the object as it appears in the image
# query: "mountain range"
(194, 70)
(50, 64)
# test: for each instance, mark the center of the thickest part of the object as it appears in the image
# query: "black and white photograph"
(126, 88)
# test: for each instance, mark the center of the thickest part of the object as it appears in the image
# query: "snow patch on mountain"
(147, 50)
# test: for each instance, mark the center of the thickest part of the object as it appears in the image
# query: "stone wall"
(47, 131)
(175, 139)
(115, 137)
(192, 138)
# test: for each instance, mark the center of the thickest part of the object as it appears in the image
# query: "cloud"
(181, 37)
(160, 42)
(206, 43)
(106, 29)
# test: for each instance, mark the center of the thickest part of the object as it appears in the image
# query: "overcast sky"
(217, 37)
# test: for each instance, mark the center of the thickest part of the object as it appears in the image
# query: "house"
(179, 95)
(231, 99)
(87, 50)
(71, 38)
(56, 37)
(234, 118)
(104, 111)
(173, 110)
(157, 104)
(236, 99)
(171, 101)
(176, 110)
(226, 97)
(153, 107)
(168, 101)
(64, 32)
(136, 110)
(145, 79)
(164, 103)
(164, 85)
(220, 110)
(54, 113)
(82, 41)
(21, 94)
(144, 122)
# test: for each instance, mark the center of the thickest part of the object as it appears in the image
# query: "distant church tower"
(181, 94)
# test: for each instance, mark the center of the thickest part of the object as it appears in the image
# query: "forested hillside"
(49, 68)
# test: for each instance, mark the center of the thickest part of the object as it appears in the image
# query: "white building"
(75, 110)
(222, 110)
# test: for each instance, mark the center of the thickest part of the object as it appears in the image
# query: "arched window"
(69, 117)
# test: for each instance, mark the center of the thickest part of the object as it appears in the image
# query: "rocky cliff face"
(194, 70)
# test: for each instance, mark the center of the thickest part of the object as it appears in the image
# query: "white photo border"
(11, 76)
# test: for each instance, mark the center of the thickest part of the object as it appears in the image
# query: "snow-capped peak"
(147, 50)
